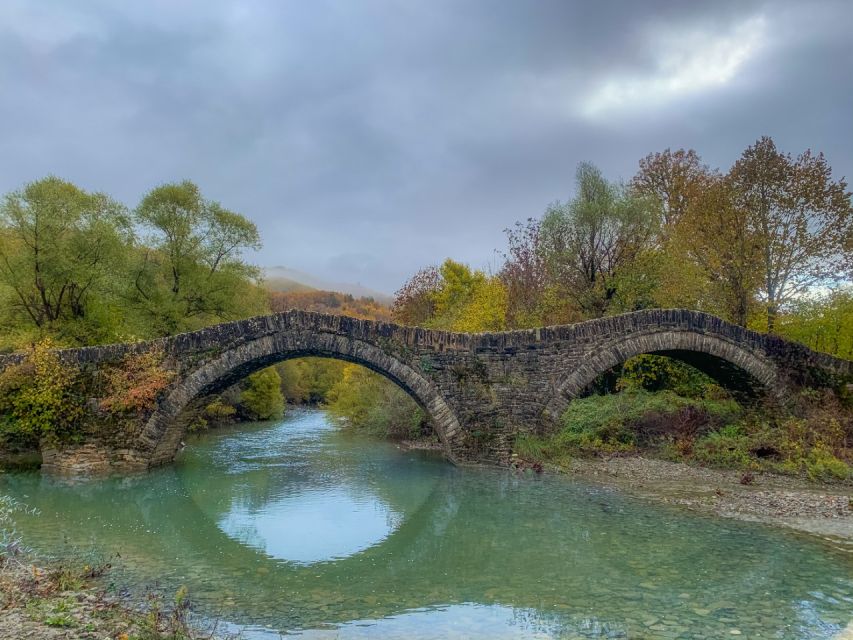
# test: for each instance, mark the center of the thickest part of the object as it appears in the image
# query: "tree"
(823, 322)
(261, 399)
(800, 215)
(453, 297)
(193, 272)
(717, 235)
(59, 250)
(525, 275)
(671, 179)
(589, 241)
(414, 302)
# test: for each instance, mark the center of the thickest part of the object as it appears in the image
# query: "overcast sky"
(370, 138)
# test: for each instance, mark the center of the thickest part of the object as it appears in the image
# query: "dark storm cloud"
(368, 139)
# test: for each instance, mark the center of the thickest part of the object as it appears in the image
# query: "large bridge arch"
(163, 431)
(732, 365)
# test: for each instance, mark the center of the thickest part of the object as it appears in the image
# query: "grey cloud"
(368, 139)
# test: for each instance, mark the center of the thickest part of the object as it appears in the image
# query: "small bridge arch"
(733, 365)
(163, 431)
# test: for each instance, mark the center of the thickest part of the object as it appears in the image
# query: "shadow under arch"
(738, 369)
(163, 431)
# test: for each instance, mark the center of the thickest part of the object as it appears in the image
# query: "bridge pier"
(92, 459)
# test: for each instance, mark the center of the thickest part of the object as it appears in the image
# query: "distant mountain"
(330, 302)
(288, 280)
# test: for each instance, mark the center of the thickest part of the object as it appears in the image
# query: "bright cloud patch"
(688, 63)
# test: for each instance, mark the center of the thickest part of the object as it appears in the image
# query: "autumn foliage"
(330, 302)
(135, 384)
(40, 398)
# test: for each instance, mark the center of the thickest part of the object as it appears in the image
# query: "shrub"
(660, 373)
(822, 464)
(41, 398)
(218, 411)
(366, 402)
(135, 384)
(622, 422)
(728, 447)
(262, 398)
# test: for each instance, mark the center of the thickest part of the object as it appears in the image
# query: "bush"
(366, 402)
(622, 422)
(218, 411)
(135, 384)
(262, 398)
(728, 447)
(822, 464)
(660, 373)
(41, 398)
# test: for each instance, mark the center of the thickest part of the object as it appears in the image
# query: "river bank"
(824, 510)
(62, 601)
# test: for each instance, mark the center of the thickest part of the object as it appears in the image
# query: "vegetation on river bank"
(41, 598)
(810, 438)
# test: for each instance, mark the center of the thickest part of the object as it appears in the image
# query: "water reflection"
(297, 527)
(313, 525)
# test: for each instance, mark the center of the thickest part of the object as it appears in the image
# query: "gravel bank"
(818, 509)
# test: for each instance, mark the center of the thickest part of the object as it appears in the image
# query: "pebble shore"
(817, 509)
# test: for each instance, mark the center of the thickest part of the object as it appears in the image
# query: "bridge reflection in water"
(485, 548)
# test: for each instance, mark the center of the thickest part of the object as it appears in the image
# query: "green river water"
(295, 527)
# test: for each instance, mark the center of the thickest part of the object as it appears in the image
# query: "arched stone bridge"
(479, 390)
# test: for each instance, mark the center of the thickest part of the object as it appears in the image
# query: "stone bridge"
(479, 390)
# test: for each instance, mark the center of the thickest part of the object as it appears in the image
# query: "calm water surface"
(296, 528)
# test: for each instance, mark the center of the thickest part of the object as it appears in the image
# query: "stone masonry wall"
(480, 390)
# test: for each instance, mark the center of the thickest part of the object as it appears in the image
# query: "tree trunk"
(772, 312)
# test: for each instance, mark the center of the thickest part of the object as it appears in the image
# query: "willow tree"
(801, 217)
(590, 242)
(61, 249)
(192, 271)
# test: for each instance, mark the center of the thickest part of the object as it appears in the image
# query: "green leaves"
(60, 248)
(189, 275)
(453, 297)
(262, 398)
(71, 266)
(40, 398)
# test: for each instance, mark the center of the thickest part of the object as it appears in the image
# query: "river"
(296, 527)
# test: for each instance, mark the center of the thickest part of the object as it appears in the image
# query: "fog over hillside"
(290, 280)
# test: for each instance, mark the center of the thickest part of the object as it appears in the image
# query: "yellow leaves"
(468, 300)
(39, 394)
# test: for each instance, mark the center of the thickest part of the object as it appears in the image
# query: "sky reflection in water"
(298, 527)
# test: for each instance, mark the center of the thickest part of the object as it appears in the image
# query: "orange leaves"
(135, 384)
